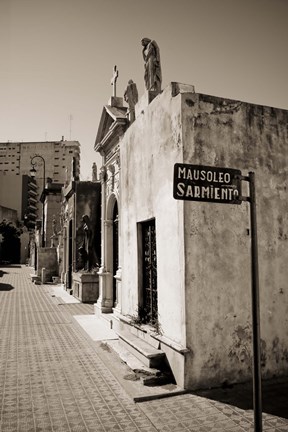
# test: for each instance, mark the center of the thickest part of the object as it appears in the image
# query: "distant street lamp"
(33, 173)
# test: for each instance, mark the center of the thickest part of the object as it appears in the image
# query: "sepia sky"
(57, 58)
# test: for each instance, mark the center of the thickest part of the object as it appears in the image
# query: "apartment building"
(15, 159)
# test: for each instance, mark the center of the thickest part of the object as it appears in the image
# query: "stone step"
(149, 377)
(145, 335)
(132, 362)
(146, 353)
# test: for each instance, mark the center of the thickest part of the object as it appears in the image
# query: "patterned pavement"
(51, 378)
(197, 414)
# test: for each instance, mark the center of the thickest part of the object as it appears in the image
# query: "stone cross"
(114, 79)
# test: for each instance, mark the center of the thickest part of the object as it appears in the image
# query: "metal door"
(150, 298)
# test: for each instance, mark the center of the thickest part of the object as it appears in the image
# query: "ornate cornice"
(111, 138)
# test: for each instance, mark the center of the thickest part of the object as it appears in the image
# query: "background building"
(19, 192)
(15, 160)
(11, 192)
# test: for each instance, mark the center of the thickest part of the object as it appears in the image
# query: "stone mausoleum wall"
(203, 249)
(227, 133)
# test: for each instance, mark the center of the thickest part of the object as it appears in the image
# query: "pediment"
(111, 117)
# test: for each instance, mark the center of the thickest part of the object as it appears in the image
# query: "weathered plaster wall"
(226, 133)
(204, 248)
(148, 151)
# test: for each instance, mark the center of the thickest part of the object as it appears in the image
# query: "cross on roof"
(114, 80)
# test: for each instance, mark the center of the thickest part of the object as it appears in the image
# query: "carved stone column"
(103, 304)
(107, 300)
(118, 276)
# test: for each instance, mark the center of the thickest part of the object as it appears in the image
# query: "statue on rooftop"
(151, 56)
(94, 172)
(131, 97)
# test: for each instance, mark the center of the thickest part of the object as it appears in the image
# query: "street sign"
(223, 185)
(205, 183)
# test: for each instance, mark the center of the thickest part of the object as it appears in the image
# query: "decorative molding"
(114, 151)
(109, 187)
(116, 183)
(111, 168)
(117, 160)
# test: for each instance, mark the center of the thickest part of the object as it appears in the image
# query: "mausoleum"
(181, 269)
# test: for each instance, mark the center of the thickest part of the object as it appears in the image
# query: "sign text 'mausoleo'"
(203, 183)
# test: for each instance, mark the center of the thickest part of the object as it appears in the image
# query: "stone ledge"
(177, 88)
(171, 344)
(144, 101)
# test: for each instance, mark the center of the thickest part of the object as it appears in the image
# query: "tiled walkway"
(193, 413)
(51, 378)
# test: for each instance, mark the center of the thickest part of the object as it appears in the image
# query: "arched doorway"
(115, 236)
(112, 252)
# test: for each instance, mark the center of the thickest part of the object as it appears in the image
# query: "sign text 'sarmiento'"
(205, 183)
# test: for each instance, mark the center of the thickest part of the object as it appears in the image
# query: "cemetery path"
(52, 379)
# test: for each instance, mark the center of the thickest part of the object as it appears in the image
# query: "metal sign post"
(223, 185)
(257, 392)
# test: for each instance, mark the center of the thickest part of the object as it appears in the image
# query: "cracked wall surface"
(233, 134)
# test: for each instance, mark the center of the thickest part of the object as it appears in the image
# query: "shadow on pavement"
(2, 273)
(274, 396)
(6, 287)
